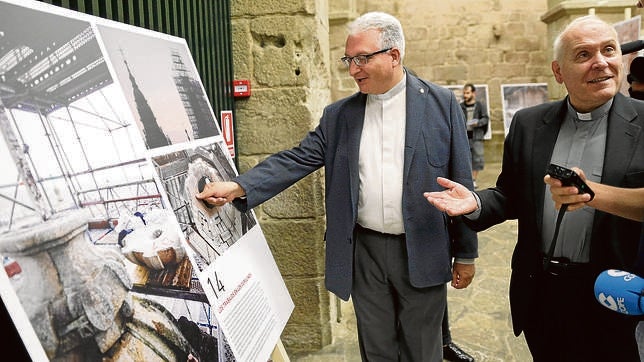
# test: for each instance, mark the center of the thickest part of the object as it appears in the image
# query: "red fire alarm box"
(241, 88)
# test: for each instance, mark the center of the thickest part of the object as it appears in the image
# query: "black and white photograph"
(161, 85)
(209, 230)
(517, 96)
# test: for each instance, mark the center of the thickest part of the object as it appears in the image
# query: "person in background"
(635, 78)
(639, 331)
(477, 122)
(386, 247)
(624, 202)
(621, 201)
(599, 130)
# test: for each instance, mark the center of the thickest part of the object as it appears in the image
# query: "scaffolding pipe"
(134, 198)
(18, 154)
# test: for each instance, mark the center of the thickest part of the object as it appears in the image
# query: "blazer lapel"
(353, 121)
(415, 114)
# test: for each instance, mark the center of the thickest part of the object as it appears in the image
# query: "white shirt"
(381, 161)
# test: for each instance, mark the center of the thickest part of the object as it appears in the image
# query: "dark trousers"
(396, 321)
(447, 334)
(568, 324)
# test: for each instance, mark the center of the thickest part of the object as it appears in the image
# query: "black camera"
(568, 177)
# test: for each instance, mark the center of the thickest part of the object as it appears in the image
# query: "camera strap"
(551, 250)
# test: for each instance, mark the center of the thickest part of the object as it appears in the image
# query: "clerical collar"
(595, 114)
(392, 92)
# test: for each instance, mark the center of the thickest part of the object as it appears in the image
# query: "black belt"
(563, 266)
(371, 231)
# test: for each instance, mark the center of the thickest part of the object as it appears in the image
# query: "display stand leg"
(279, 353)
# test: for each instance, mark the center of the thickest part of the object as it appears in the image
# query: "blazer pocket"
(634, 179)
(437, 146)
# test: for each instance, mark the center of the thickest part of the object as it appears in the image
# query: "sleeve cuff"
(464, 260)
(474, 215)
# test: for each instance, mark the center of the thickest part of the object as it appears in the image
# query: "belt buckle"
(553, 267)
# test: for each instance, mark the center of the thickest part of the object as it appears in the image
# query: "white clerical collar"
(595, 114)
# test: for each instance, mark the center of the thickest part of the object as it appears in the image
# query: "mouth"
(600, 80)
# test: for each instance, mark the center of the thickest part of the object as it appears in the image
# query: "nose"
(600, 62)
(353, 68)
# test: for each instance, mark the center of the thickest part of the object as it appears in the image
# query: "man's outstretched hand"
(220, 193)
(455, 200)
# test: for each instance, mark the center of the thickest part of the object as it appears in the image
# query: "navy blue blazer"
(435, 145)
(520, 191)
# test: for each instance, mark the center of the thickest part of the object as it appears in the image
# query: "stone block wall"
(282, 48)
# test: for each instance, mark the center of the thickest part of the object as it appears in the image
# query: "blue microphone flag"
(620, 291)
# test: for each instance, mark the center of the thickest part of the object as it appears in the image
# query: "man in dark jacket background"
(477, 120)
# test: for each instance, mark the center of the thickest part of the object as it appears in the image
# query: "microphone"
(632, 46)
(620, 291)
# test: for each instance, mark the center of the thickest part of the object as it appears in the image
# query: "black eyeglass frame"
(362, 59)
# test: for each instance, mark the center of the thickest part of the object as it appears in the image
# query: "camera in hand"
(568, 177)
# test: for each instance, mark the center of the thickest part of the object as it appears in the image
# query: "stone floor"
(479, 315)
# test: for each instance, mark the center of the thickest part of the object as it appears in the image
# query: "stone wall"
(282, 48)
(290, 52)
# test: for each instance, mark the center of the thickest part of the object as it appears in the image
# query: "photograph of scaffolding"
(160, 82)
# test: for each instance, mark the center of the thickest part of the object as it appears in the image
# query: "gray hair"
(588, 19)
(391, 32)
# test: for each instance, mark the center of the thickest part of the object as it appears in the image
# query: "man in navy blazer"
(381, 148)
(598, 130)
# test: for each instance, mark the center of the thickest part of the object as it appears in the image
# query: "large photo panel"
(83, 215)
(97, 259)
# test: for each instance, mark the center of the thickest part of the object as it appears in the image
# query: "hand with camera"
(564, 192)
(621, 201)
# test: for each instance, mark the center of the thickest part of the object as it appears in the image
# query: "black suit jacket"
(435, 145)
(520, 191)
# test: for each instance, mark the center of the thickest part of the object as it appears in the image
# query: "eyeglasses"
(361, 59)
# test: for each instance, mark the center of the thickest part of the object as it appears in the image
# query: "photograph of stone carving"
(165, 95)
(74, 178)
(209, 230)
(517, 96)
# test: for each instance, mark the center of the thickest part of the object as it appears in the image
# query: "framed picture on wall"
(517, 96)
(110, 255)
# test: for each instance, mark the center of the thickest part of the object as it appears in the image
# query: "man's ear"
(556, 70)
(395, 55)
